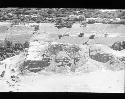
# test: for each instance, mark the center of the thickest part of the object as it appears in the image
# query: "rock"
(115, 64)
(2, 74)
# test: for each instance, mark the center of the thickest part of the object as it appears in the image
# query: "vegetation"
(9, 49)
(18, 15)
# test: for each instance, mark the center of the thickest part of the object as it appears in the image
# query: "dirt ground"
(100, 81)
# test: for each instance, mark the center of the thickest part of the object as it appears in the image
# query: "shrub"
(91, 21)
(18, 46)
(81, 35)
(60, 36)
(26, 44)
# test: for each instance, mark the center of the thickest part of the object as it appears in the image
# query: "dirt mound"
(35, 66)
(58, 58)
(98, 53)
(114, 60)
(120, 45)
(65, 58)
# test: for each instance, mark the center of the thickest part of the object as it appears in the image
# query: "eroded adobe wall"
(63, 58)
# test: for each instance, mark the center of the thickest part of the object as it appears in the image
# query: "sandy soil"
(96, 28)
(98, 81)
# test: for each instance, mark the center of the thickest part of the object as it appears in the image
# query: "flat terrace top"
(98, 40)
(80, 40)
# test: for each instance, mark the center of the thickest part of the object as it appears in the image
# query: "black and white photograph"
(62, 50)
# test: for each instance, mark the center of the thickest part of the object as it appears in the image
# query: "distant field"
(76, 40)
(22, 33)
(91, 28)
(108, 41)
(106, 28)
(113, 29)
(19, 38)
(18, 33)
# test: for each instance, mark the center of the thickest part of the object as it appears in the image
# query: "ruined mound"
(63, 58)
(113, 60)
(119, 45)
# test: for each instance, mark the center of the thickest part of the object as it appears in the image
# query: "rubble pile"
(60, 57)
(113, 60)
(57, 57)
